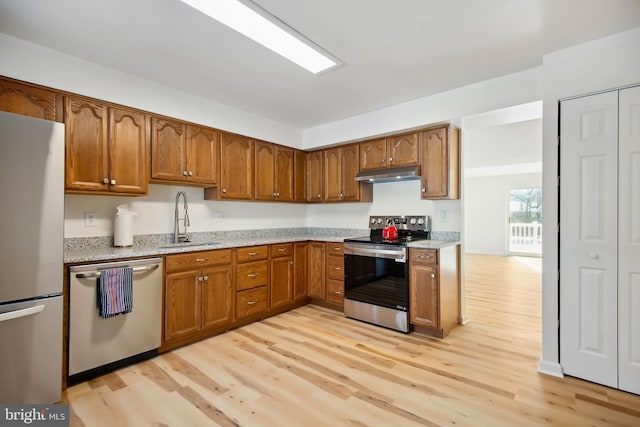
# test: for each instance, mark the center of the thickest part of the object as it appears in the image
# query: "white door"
(629, 242)
(588, 237)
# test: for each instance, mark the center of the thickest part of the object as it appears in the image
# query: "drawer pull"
(425, 256)
(336, 268)
(337, 292)
(202, 259)
(252, 302)
(282, 249)
(253, 253)
(252, 275)
(336, 248)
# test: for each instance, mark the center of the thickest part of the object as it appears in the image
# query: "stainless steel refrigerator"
(31, 259)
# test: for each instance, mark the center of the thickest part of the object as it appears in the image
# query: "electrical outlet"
(89, 219)
(444, 215)
(218, 216)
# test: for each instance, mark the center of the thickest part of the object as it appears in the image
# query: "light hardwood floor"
(313, 367)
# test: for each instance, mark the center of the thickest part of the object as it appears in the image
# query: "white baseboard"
(550, 368)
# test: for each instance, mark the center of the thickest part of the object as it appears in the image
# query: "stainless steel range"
(376, 271)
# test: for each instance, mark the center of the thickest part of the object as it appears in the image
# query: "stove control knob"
(420, 221)
(373, 220)
(379, 221)
(412, 221)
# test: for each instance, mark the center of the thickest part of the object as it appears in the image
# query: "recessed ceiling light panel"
(250, 20)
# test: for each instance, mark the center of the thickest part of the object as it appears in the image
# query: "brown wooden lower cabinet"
(198, 293)
(434, 292)
(335, 273)
(253, 281)
(282, 274)
(316, 270)
(252, 301)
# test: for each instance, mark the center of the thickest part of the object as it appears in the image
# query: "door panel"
(128, 160)
(629, 241)
(588, 238)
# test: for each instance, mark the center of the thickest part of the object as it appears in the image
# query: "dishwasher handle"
(96, 274)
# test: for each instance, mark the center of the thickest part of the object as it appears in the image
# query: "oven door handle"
(398, 256)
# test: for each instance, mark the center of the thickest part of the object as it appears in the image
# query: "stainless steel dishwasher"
(98, 345)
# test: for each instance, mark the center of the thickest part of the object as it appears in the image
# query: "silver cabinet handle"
(433, 275)
(224, 190)
(337, 292)
(15, 314)
(252, 275)
(253, 253)
(105, 181)
(184, 173)
(425, 256)
(205, 278)
(202, 259)
(336, 248)
(252, 302)
(96, 274)
(113, 182)
(190, 173)
(383, 160)
(282, 249)
(319, 196)
(336, 268)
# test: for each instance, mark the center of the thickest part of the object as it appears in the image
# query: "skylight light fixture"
(248, 19)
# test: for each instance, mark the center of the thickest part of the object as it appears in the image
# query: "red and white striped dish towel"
(115, 292)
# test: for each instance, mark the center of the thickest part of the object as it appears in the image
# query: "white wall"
(155, 213)
(36, 64)
(605, 63)
(446, 107)
(497, 159)
(388, 198)
(486, 212)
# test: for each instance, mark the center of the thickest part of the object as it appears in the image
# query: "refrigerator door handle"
(21, 313)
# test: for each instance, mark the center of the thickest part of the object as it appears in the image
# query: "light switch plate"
(444, 215)
(218, 217)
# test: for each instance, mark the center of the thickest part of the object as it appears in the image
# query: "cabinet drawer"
(335, 268)
(335, 291)
(423, 256)
(251, 301)
(252, 274)
(336, 249)
(283, 249)
(197, 259)
(252, 253)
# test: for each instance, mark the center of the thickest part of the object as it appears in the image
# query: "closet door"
(589, 238)
(629, 241)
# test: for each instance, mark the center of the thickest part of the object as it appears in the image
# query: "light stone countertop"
(90, 250)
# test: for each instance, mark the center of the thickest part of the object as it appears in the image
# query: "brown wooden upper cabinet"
(341, 165)
(273, 172)
(183, 153)
(299, 176)
(440, 163)
(398, 150)
(106, 148)
(236, 169)
(314, 176)
(28, 100)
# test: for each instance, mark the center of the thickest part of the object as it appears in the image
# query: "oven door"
(376, 275)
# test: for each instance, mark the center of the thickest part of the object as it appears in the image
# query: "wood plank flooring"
(313, 367)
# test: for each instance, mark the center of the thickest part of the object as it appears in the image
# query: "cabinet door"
(265, 158)
(281, 281)
(202, 155)
(440, 163)
(333, 175)
(168, 155)
(350, 168)
(403, 150)
(182, 304)
(316, 270)
(284, 174)
(423, 296)
(300, 270)
(236, 167)
(86, 154)
(27, 100)
(373, 154)
(315, 176)
(299, 176)
(217, 297)
(128, 148)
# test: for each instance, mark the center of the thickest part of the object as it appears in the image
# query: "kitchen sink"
(186, 244)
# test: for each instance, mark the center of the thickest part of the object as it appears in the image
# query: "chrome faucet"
(177, 236)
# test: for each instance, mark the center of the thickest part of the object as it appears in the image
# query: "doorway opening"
(524, 234)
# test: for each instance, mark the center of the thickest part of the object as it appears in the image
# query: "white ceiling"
(393, 51)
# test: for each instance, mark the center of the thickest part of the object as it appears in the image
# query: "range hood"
(400, 173)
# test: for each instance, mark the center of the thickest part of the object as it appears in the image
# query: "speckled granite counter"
(98, 249)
